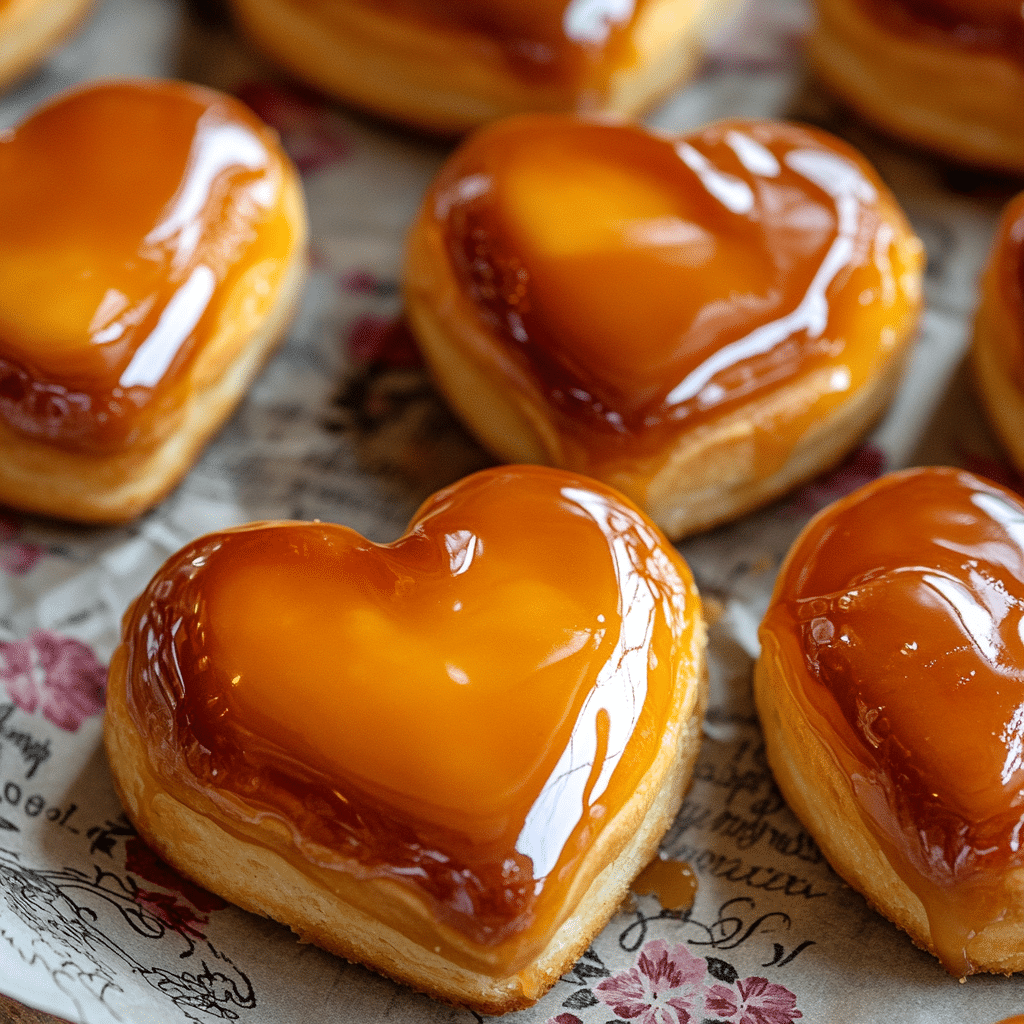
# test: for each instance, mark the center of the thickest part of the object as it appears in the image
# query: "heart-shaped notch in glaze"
(891, 687)
(609, 299)
(464, 712)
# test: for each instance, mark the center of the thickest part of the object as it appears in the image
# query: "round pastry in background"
(947, 75)
(446, 757)
(30, 29)
(451, 66)
(701, 321)
(997, 355)
(891, 693)
(139, 295)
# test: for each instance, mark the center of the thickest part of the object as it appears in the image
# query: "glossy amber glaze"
(128, 212)
(993, 25)
(647, 286)
(462, 711)
(575, 43)
(673, 882)
(898, 623)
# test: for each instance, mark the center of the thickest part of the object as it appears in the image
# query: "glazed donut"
(140, 295)
(890, 689)
(445, 757)
(453, 66)
(701, 322)
(997, 354)
(944, 74)
(29, 29)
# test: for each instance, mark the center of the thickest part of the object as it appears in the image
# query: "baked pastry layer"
(445, 758)
(927, 87)
(997, 353)
(138, 303)
(441, 72)
(29, 29)
(889, 686)
(585, 296)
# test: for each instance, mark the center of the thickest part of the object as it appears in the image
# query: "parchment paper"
(344, 426)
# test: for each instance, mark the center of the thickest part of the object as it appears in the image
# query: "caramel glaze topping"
(575, 44)
(992, 25)
(129, 212)
(899, 620)
(645, 286)
(462, 711)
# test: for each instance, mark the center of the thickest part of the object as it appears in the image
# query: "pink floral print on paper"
(669, 985)
(752, 1001)
(185, 908)
(383, 340)
(16, 557)
(58, 673)
(312, 134)
(665, 987)
(860, 467)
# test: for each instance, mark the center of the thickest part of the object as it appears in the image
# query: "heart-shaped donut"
(701, 321)
(444, 757)
(140, 294)
(891, 693)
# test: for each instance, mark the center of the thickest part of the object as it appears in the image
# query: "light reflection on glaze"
(680, 278)
(592, 21)
(460, 710)
(611, 711)
(113, 278)
(899, 618)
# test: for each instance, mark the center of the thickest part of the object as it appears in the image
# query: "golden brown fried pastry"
(891, 693)
(451, 66)
(998, 351)
(701, 321)
(445, 757)
(29, 29)
(140, 292)
(944, 74)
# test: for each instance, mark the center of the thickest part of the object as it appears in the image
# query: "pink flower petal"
(721, 1001)
(764, 1002)
(18, 559)
(665, 986)
(59, 672)
(16, 674)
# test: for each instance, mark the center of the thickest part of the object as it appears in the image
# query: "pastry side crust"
(448, 81)
(819, 793)
(44, 479)
(29, 29)
(260, 871)
(965, 104)
(995, 329)
(710, 475)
